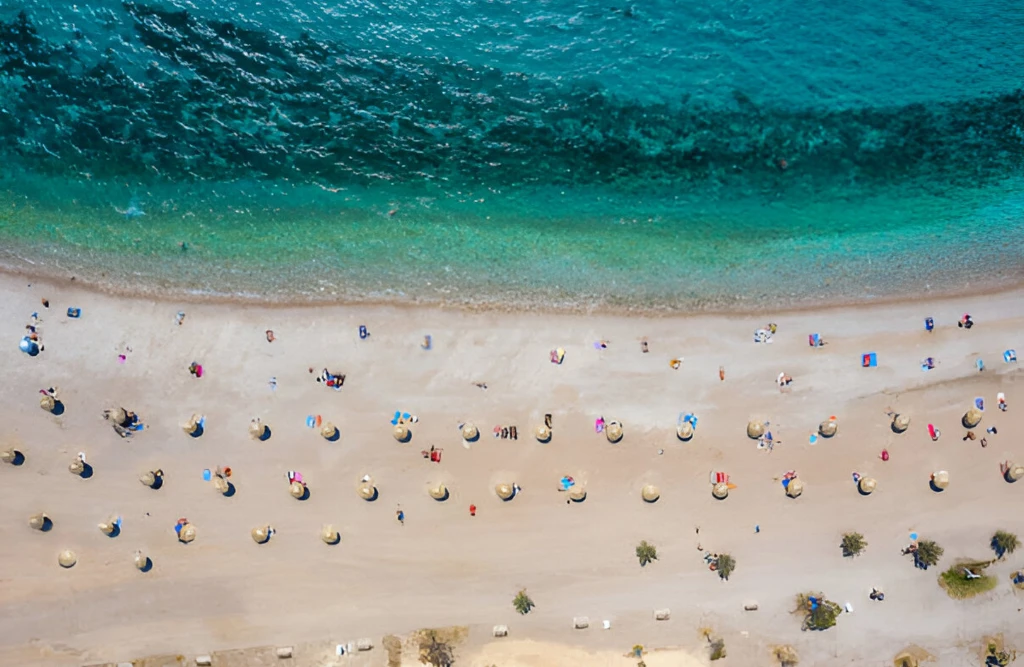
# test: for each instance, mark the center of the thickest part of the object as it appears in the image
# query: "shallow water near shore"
(655, 158)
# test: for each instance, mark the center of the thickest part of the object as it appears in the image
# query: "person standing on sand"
(400, 515)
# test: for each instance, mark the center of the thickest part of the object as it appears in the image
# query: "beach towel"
(979, 403)
(558, 355)
(599, 424)
(933, 432)
(980, 364)
(929, 324)
(1010, 356)
(869, 360)
(814, 340)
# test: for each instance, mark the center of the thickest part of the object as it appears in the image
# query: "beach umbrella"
(971, 418)
(469, 432)
(755, 430)
(187, 534)
(439, 492)
(505, 491)
(827, 429)
(794, 488)
(148, 478)
(8, 455)
(257, 429)
(543, 433)
(613, 431)
(109, 526)
(720, 491)
(222, 485)
(940, 479)
(367, 491)
(650, 493)
(260, 534)
(192, 425)
(67, 558)
(867, 484)
(578, 493)
(900, 423)
(328, 430)
(905, 659)
(297, 489)
(1014, 471)
(37, 521)
(77, 467)
(117, 415)
(329, 535)
(46, 402)
(141, 560)
(684, 431)
(401, 433)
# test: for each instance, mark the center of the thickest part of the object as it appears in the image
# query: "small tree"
(819, 613)
(786, 655)
(928, 553)
(646, 553)
(522, 602)
(717, 647)
(853, 544)
(726, 564)
(1004, 543)
(435, 652)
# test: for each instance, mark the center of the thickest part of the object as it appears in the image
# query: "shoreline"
(445, 568)
(179, 294)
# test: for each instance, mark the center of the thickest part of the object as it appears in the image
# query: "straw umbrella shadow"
(198, 432)
(266, 434)
(86, 471)
(47, 524)
(58, 408)
(333, 437)
(230, 491)
(933, 487)
(146, 565)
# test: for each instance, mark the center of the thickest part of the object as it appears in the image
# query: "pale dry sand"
(444, 567)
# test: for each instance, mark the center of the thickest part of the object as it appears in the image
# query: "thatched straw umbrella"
(297, 489)
(47, 402)
(543, 433)
(192, 425)
(755, 430)
(109, 526)
(67, 558)
(971, 418)
(940, 479)
(117, 416)
(260, 534)
(77, 467)
(684, 431)
(150, 477)
(329, 535)
(1014, 471)
(905, 659)
(900, 423)
(794, 488)
(827, 429)
(329, 431)
(650, 493)
(505, 491)
(38, 521)
(222, 485)
(141, 560)
(367, 491)
(9, 455)
(578, 493)
(867, 485)
(613, 431)
(439, 492)
(187, 534)
(401, 433)
(470, 432)
(720, 491)
(257, 429)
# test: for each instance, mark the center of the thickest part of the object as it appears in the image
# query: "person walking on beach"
(400, 515)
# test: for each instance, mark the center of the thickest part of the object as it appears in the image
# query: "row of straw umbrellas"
(506, 491)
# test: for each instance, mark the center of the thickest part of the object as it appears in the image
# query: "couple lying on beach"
(335, 381)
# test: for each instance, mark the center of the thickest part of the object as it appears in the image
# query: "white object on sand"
(607, 625)
(849, 608)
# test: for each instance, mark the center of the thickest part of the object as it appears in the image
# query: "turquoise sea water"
(654, 155)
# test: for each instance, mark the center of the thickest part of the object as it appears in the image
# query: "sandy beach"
(444, 567)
